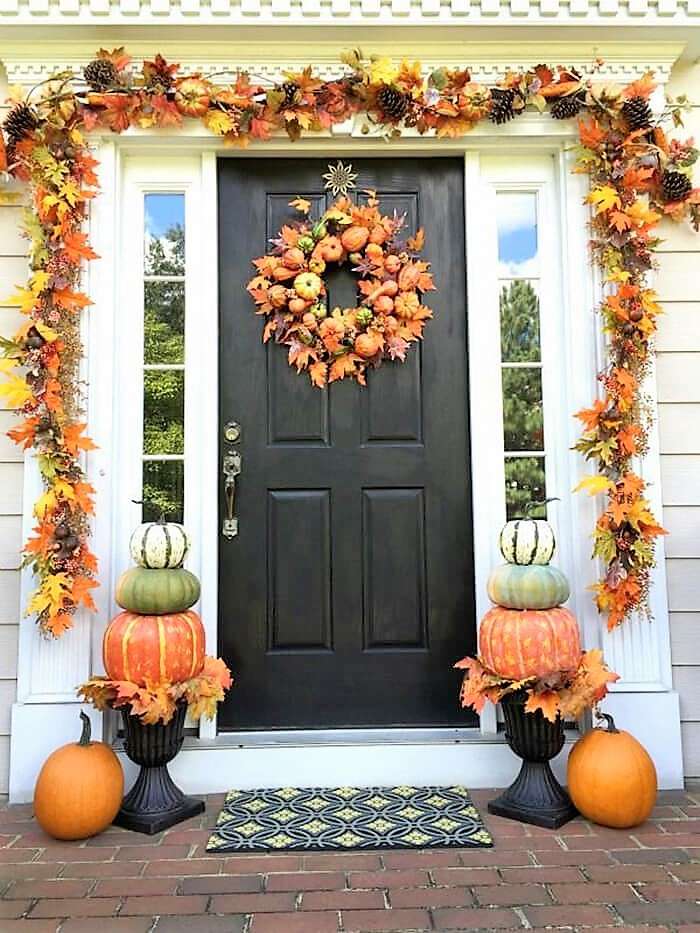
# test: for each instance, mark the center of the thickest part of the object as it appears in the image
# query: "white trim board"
(539, 160)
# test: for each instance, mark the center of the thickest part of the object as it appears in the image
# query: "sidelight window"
(163, 356)
(521, 351)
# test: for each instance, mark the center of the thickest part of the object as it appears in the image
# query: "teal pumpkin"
(157, 592)
(532, 586)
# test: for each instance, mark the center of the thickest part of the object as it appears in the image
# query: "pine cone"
(502, 105)
(675, 186)
(101, 74)
(392, 102)
(290, 89)
(637, 112)
(19, 122)
(564, 108)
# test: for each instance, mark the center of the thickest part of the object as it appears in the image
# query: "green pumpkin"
(157, 592)
(532, 586)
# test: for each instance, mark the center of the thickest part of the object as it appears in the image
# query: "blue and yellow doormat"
(315, 819)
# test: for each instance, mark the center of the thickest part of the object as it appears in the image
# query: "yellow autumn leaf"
(604, 198)
(46, 332)
(382, 71)
(39, 281)
(15, 391)
(594, 485)
(7, 364)
(45, 503)
(219, 122)
(24, 298)
(63, 490)
(641, 213)
(50, 595)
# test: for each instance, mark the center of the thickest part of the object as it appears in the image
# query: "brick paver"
(580, 878)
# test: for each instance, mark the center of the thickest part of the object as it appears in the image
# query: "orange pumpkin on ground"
(611, 778)
(520, 643)
(154, 648)
(79, 789)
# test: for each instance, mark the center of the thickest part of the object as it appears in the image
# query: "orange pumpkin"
(277, 296)
(378, 234)
(153, 648)
(392, 264)
(297, 306)
(79, 789)
(383, 304)
(367, 345)
(374, 251)
(611, 778)
(331, 248)
(390, 288)
(520, 643)
(354, 238)
(293, 258)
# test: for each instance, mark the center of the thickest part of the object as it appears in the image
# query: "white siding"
(678, 371)
(12, 272)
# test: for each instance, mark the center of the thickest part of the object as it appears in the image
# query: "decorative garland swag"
(637, 177)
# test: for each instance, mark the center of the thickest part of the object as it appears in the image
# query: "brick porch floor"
(580, 877)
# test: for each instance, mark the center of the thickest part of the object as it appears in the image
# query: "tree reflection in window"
(164, 357)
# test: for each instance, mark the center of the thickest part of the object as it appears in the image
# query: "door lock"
(232, 431)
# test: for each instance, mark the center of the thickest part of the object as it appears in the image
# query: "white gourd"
(527, 541)
(158, 545)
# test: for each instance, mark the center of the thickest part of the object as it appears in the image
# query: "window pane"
(517, 233)
(164, 322)
(522, 409)
(520, 323)
(525, 483)
(163, 411)
(164, 247)
(163, 484)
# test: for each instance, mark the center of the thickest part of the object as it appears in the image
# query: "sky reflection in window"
(517, 234)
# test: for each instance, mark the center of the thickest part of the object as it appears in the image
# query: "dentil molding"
(27, 63)
(96, 12)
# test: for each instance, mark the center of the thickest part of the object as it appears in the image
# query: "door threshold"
(276, 738)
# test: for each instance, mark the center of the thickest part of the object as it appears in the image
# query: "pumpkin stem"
(609, 721)
(85, 734)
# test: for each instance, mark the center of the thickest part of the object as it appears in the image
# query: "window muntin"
(164, 356)
(521, 356)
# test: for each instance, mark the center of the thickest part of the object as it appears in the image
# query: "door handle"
(231, 469)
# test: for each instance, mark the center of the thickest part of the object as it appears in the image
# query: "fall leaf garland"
(637, 177)
(290, 291)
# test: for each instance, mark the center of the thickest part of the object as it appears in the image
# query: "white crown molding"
(415, 12)
(28, 63)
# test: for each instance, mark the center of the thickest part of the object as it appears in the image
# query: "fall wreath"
(290, 290)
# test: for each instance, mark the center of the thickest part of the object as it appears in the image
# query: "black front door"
(347, 595)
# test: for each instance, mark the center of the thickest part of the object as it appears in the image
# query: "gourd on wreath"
(158, 545)
(157, 592)
(522, 643)
(79, 789)
(611, 777)
(154, 648)
(531, 586)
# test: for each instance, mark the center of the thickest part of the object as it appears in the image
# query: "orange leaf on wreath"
(24, 433)
(591, 134)
(58, 623)
(80, 592)
(76, 247)
(547, 702)
(74, 439)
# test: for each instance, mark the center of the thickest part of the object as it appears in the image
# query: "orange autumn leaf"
(319, 374)
(77, 248)
(343, 366)
(80, 592)
(74, 439)
(58, 623)
(591, 133)
(83, 496)
(69, 300)
(24, 433)
(43, 541)
(547, 702)
(643, 87)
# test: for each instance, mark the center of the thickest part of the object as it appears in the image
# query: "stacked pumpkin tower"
(157, 639)
(528, 633)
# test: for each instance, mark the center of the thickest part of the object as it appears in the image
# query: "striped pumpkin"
(529, 643)
(157, 592)
(529, 587)
(159, 544)
(156, 649)
(527, 541)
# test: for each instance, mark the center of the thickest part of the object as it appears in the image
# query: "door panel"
(347, 594)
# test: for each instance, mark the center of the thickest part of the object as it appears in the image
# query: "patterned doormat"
(316, 819)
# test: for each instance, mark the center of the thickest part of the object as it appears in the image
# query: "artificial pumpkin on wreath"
(153, 648)
(611, 777)
(79, 789)
(158, 545)
(157, 592)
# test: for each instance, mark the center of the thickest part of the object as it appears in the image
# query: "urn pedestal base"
(155, 802)
(535, 796)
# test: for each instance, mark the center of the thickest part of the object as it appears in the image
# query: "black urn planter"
(535, 796)
(155, 802)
